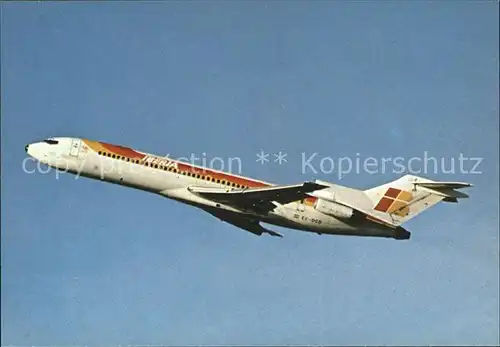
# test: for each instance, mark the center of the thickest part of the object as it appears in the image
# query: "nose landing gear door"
(75, 147)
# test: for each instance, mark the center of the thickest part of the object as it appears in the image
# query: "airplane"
(319, 207)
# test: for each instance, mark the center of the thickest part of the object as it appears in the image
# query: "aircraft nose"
(26, 148)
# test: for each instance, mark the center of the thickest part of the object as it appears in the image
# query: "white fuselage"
(172, 179)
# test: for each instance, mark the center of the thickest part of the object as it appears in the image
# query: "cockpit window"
(51, 142)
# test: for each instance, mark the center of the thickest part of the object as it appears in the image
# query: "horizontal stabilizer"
(444, 185)
(445, 189)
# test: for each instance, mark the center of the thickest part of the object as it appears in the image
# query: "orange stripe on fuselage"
(218, 175)
(123, 151)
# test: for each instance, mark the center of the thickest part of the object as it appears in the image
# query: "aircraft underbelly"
(317, 222)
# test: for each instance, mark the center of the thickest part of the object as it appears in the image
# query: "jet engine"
(333, 209)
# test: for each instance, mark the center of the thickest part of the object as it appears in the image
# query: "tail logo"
(395, 201)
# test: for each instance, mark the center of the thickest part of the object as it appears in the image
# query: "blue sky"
(87, 263)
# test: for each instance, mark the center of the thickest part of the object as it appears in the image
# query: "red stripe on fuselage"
(123, 151)
(245, 181)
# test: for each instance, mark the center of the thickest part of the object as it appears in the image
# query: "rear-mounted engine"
(333, 209)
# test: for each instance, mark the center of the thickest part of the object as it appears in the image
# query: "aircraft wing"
(263, 199)
(241, 221)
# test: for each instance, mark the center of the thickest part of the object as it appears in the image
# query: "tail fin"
(399, 201)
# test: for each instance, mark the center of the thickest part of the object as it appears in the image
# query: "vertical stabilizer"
(398, 201)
